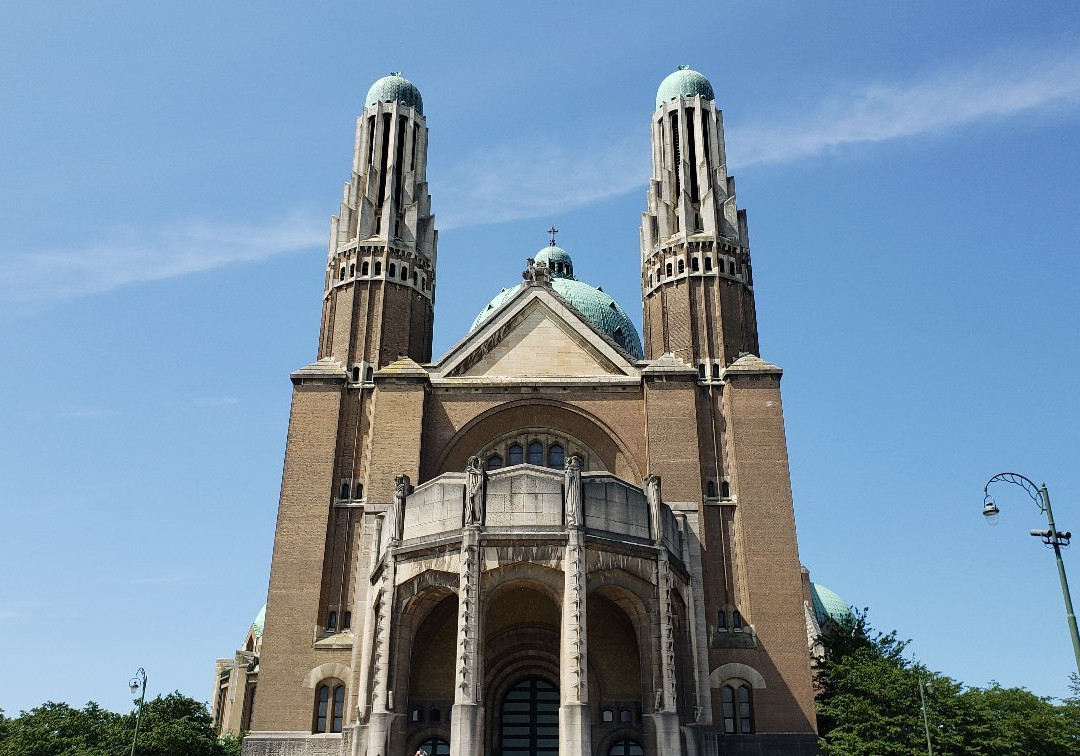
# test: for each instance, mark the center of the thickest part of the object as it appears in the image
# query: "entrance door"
(529, 719)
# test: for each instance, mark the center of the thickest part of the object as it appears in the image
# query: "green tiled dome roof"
(260, 622)
(594, 304)
(558, 261)
(683, 83)
(395, 88)
(830, 607)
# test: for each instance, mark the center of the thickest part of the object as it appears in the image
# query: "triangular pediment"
(535, 335)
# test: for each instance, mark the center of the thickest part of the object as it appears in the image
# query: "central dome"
(395, 88)
(591, 302)
(685, 82)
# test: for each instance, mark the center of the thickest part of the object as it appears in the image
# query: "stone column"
(381, 714)
(575, 733)
(667, 714)
(467, 716)
(364, 648)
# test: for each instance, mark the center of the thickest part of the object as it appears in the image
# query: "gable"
(536, 343)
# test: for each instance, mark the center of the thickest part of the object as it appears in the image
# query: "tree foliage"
(172, 725)
(868, 703)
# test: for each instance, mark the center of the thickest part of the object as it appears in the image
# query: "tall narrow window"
(392, 270)
(731, 267)
(669, 270)
(356, 374)
(556, 456)
(322, 704)
(716, 371)
(331, 623)
(344, 490)
(369, 374)
(736, 621)
(682, 266)
(404, 273)
(727, 698)
(346, 621)
(378, 267)
(341, 275)
(358, 491)
(536, 453)
(725, 490)
(710, 489)
(701, 371)
(364, 268)
(721, 620)
(339, 708)
(708, 263)
(695, 264)
(746, 719)
(515, 455)
(352, 269)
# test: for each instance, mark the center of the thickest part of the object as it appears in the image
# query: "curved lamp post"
(1051, 537)
(138, 683)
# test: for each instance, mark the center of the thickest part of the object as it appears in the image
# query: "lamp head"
(990, 511)
(134, 684)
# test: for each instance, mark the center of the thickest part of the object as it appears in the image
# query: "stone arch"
(736, 670)
(325, 671)
(617, 456)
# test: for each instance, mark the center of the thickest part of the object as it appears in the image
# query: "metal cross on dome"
(553, 231)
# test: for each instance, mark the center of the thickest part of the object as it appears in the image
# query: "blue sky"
(911, 174)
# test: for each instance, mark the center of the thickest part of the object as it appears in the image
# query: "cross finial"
(553, 231)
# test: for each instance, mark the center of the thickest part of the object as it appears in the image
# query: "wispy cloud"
(537, 177)
(135, 255)
(534, 178)
(1003, 85)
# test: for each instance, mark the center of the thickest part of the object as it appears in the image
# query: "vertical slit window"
(381, 196)
(339, 708)
(399, 160)
(691, 155)
(727, 698)
(745, 715)
(322, 702)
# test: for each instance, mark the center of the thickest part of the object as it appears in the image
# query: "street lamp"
(138, 683)
(1051, 537)
(924, 688)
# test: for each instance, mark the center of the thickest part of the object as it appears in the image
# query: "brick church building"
(559, 537)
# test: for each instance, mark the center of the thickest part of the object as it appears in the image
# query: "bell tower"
(696, 276)
(380, 272)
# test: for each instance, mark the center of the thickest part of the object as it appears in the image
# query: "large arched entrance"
(529, 719)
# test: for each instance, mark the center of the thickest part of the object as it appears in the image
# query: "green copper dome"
(592, 303)
(395, 88)
(683, 83)
(830, 607)
(558, 261)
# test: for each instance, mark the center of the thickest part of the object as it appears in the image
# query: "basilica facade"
(561, 536)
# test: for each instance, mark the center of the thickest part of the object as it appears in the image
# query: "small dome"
(685, 82)
(260, 622)
(395, 88)
(557, 260)
(830, 607)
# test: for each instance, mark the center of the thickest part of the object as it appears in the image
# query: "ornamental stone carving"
(572, 492)
(474, 492)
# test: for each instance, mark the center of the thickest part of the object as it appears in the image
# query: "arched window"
(378, 267)
(736, 621)
(341, 275)
(331, 622)
(607, 715)
(404, 273)
(369, 374)
(556, 456)
(346, 621)
(710, 489)
(435, 747)
(392, 270)
(625, 715)
(356, 374)
(682, 266)
(536, 453)
(716, 371)
(359, 491)
(626, 747)
(737, 701)
(329, 707)
(515, 455)
(701, 371)
(669, 270)
(415, 278)
(352, 269)
(731, 267)
(494, 462)
(415, 716)
(344, 490)
(695, 264)
(721, 620)
(725, 490)
(364, 268)
(708, 263)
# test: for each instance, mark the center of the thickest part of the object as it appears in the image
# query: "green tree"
(172, 725)
(868, 703)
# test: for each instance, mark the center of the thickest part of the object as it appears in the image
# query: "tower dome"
(685, 82)
(395, 88)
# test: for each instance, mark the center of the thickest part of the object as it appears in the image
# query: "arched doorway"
(529, 719)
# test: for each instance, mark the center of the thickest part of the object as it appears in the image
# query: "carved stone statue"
(652, 496)
(396, 513)
(474, 492)
(572, 486)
